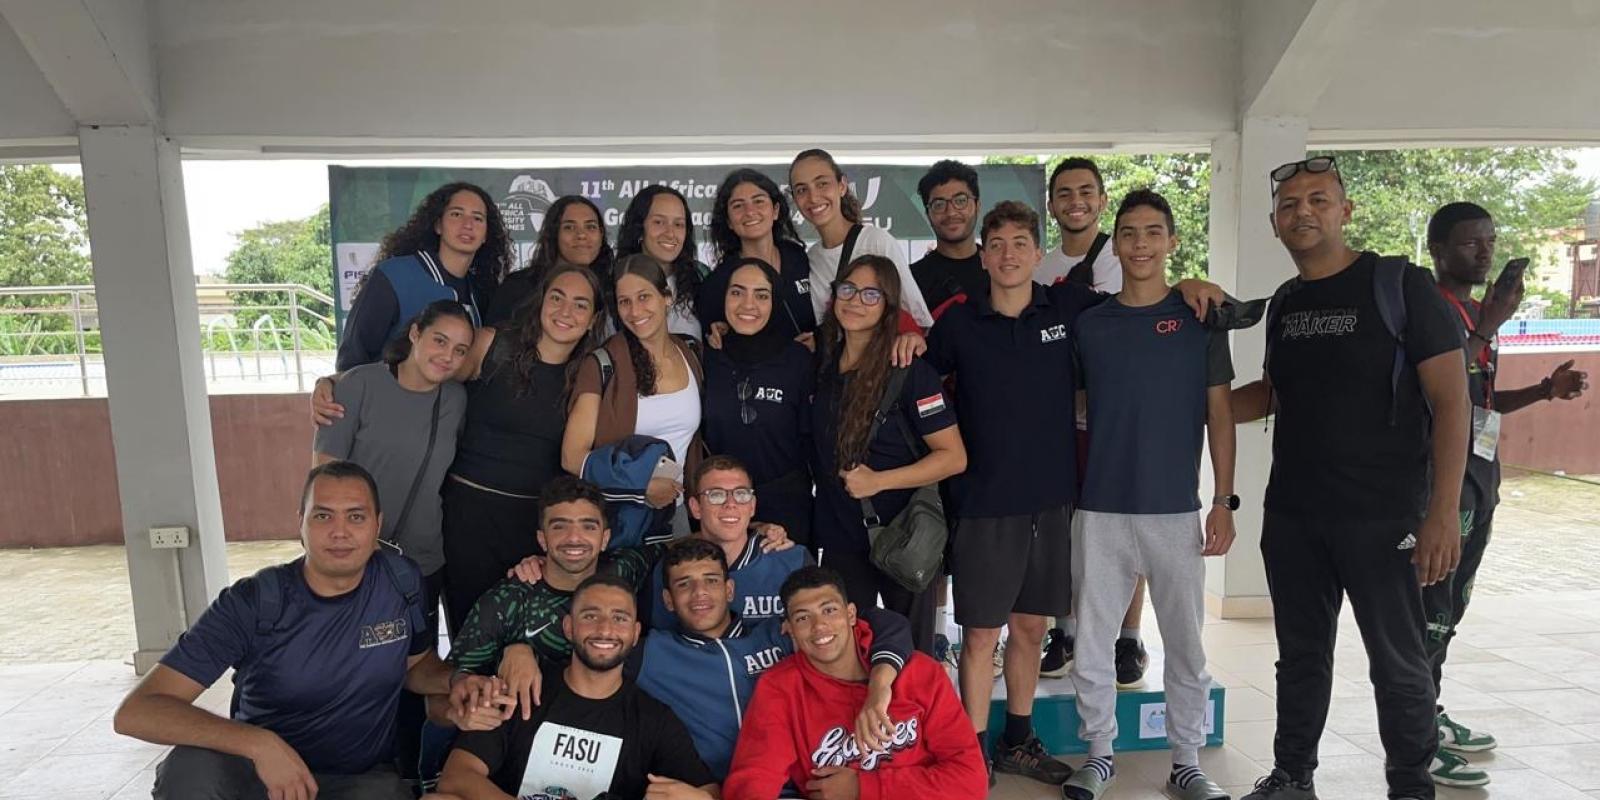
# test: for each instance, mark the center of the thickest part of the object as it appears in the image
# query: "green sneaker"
(1449, 769)
(1459, 738)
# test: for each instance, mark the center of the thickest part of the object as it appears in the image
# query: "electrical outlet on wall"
(169, 537)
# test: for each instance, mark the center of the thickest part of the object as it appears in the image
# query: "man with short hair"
(320, 648)
(798, 728)
(1461, 239)
(594, 732)
(1365, 371)
(952, 270)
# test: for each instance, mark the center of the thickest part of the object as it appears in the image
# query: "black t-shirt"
(1335, 453)
(941, 278)
(512, 441)
(791, 311)
(922, 404)
(1482, 488)
(773, 444)
(575, 747)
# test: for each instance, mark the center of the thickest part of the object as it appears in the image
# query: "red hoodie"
(800, 718)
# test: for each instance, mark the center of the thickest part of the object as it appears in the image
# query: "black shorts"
(1004, 565)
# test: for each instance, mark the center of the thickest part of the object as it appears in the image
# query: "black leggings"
(865, 583)
(485, 534)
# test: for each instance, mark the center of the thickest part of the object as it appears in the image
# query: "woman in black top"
(573, 232)
(758, 386)
(854, 345)
(750, 219)
(518, 377)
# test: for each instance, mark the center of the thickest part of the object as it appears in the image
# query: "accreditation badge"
(1485, 433)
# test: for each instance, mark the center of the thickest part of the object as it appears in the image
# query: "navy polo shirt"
(1015, 384)
(1146, 370)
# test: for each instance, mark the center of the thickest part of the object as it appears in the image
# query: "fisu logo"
(838, 748)
(1167, 326)
(1054, 333)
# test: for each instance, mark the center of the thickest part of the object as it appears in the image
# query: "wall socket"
(169, 537)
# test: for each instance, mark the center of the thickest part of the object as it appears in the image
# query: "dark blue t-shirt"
(1146, 370)
(923, 406)
(326, 678)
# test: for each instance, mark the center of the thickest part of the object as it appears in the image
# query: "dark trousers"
(413, 708)
(1312, 564)
(485, 534)
(193, 773)
(1445, 602)
(865, 584)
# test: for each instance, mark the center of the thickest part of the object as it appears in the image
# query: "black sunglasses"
(1313, 166)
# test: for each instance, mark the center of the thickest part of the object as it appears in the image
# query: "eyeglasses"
(1314, 166)
(747, 412)
(845, 290)
(959, 203)
(720, 497)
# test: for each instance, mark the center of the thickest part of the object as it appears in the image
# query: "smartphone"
(1511, 275)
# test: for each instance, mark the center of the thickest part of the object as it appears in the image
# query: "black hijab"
(765, 344)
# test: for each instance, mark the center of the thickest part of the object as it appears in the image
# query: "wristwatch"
(1228, 501)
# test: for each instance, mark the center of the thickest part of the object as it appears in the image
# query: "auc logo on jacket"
(838, 749)
(762, 660)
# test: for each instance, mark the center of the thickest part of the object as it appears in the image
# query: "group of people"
(647, 494)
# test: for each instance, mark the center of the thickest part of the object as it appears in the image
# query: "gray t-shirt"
(385, 429)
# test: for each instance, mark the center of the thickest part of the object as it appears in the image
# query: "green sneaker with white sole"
(1449, 769)
(1458, 738)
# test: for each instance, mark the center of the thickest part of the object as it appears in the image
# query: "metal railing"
(271, 338)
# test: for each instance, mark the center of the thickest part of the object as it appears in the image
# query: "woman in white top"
(823, 196)
(657, 223)
(654, 388)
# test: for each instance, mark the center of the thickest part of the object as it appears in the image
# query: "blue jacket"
(393, 294)
(623, 471)
(708, 682)
(756, 577)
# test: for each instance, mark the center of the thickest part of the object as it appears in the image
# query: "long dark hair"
(723, 238)
(526, 328)
(645, 266)
(399, 348)
(547, 249)
(489, 264)
(859, 402)
(849, 206)
(630, 239)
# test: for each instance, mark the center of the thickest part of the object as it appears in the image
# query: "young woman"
(572, 233)
(654, 388)
(757, 389)
(454, 247)
(854, 346)
(823, 196)
(403, 416)
(750, 219)
(657, 223)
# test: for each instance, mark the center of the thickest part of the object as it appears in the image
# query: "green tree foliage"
(43, 227)
(291, 251)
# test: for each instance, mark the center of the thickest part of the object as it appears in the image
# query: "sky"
(227, 197)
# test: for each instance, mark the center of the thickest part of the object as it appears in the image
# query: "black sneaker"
(1057, 654)
(1279, 786)
(1030, 760)
(1131, 663)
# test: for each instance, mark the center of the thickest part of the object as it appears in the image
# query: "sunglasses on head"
(1310, 165)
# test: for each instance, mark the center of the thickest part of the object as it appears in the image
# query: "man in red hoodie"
(797, 730)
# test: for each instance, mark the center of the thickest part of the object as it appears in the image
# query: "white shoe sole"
(1471, 748)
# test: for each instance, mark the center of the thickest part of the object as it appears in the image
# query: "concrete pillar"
(160, 418)
(1247, 260)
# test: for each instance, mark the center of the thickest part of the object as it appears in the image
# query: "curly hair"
(859, 401)
(493, 259)
(648, 267)
(723, 239)
(685, 269)
(547, 248)
(526, 328)
(849, 205)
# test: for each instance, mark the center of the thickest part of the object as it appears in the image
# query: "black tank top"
(512, 442)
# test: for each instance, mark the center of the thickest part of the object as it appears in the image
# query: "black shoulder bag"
(910, 548)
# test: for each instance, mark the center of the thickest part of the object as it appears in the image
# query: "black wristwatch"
(1228, 501)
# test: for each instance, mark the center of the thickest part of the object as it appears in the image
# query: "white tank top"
(673, 418)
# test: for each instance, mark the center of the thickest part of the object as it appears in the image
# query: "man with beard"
(952, 269)
(594, 732)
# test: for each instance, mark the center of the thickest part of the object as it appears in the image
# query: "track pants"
(1445, 602)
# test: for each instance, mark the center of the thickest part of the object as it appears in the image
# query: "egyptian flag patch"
(930, 405)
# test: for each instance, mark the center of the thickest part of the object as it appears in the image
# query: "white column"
(1247, 260)
(160, 417)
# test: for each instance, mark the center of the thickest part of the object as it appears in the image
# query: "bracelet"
(1547, 387)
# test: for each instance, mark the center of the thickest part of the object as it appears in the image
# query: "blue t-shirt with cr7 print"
(326, 677)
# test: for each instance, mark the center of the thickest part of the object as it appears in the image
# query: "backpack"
(1388, 290)
(1083, 271)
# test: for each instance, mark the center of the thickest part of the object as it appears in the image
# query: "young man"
(798, 727)
(952, 269)
(320, 648)
(707, 672)
(1349, 507)
(1077, 198)
(724, 502)
(1156, 382)
(1461, 239)
(593, 731)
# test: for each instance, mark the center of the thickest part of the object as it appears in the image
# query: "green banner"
(366, 203)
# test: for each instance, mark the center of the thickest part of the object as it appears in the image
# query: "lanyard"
(1483, 360)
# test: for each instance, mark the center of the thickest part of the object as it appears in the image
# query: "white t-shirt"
(1107, 269)
(872, 241)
